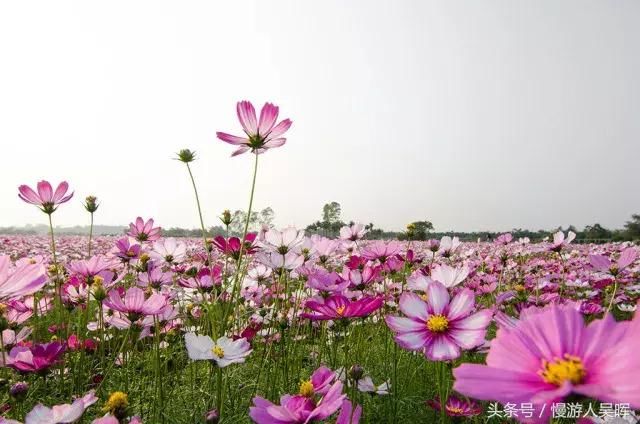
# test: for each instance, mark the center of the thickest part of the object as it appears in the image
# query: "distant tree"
(266, 217)
(331, 213)
(632, 227)
(595, 231)
(419, 230)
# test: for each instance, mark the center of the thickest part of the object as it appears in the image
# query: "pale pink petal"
(247, 117)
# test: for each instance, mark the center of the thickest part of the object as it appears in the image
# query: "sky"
(486, 115)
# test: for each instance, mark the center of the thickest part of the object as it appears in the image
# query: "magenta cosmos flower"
(339, 307)
(439, 327)
(38, 358)
(550, 354)
(46, 199)
(305, 407)
(260, 135)
(456, 407)
(144, 231)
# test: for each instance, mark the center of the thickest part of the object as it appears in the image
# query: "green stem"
(239, 273)
(204, 231)
(90, 235)
(613, 297)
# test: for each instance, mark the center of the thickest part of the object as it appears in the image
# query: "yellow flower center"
(424, 297)
(568, 369)
(306, 388)
(340, 310)
(437, 323)
(218, 351)
(454, 410)
(117, 401)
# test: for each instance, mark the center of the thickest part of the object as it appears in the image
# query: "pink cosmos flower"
(134, 303)
(144, 231)
(300, 408)
(448, 246)
(24, 280)
(381, 250)
(354, 232)
(127, 251)
(439, 327)
(604, 264)
(10, 338)
(96, 266)
(38, 358)
(559, 241)
(58, 414)
(46, 198)
(338, 307)
(347, 414)
(327, 281)
(261, 135)
(283, 241)
(549, 354)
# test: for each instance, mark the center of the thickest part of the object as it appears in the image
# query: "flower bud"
(186, 156)
(356, 372)
(90, 204)
(19, 390)
(226, 217)
(212, 417)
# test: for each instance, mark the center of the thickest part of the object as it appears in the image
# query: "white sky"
(475, 115)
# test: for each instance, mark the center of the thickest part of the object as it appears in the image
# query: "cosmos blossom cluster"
(279, 326)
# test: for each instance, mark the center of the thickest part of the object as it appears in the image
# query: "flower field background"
(276, 326)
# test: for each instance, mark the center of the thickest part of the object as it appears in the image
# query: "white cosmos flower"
(449, 276)
(168, 250)
(366, 385)
(224, 351)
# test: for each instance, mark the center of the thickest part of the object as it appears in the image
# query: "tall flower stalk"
(91, 206)
(260, 135)
(186, 156)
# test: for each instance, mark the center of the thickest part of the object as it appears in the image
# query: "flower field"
(277, 326)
